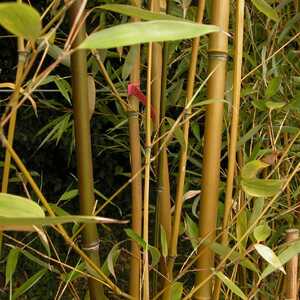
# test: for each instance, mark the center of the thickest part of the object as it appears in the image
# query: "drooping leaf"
(133, 11)
(176, 291)
(266, 253)
(20, 19)
(258, 206)
(261, 187)
(91, 95)
(262, 232)
(155, 255)
(29, 283)
(109, 263)
(273, 87)
(12, 260)
(266, 9)
(241, 229)
(145, 32)
(231, 285)
(284, 256)
(129, 62)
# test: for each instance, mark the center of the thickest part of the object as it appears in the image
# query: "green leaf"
(177, 132)
(274, 105)
(133, 11)
(241, 229)
(75, 273)
(235, 256)
(258, 206)
(231, 285)
(262, 232)
(68, 195)
(284, 256)
(12, 260)
(164, 242)
(251, 169)
(155, 254)
(267, 254)
(21, 20)
(145, 32)
(108, 266)
(273, 87)
(176, 291)
(192, 230)
(29, 283)
(266, 9)
(12, 206)
(261, 187)
(129, 62)
(46, 221)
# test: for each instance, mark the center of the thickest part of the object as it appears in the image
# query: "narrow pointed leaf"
(145, 32)
(251, 169)
(266, 9)
(20, 19)
(262, 232)
(231, 285)
(28, 284)
(268, 254)
(284, 256)
(133, 11)
(164, 242)
(12, 260)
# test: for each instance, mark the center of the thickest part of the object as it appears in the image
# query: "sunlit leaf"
(129, 62)
(274, 105)
(231, 285)
(266, 9)
(261, 187)
(68, 195)
(192, 230)
(145, 32)
(109, 263)
(268, 254)
(284, 256)
(20, 19)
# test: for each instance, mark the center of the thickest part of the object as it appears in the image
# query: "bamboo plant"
(83, 147)
(217, 53)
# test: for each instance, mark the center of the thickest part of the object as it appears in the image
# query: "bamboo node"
(132, 114)
(218, 55)
(92, 246)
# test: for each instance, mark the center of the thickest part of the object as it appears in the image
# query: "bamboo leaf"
(28, 284)
(192, 230)
(145, 32)
(133, 11)
(274, 105)
(12, 260)
(177, 132)
(164, 242)
(267, 254)
(257, 209)
(68, 195)
(284, 256)
(262, 232)
(231, 285)
(261, 187)
(108, 266)
(251, 169)
(155, 255)
(266, 9)
(129, 62)
(21, 20)
(176, 291)
(273, 87)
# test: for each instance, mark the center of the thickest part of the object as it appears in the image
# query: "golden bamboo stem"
(218, 46)
(291, 282)
(234, 130)
(136, 185)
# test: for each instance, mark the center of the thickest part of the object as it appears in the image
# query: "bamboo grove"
(179, 124)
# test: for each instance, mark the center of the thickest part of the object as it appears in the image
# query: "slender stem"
(183, 153)
(218, 44)
(136, 184)
(146, 292)
(83, 148)
(237, 75)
